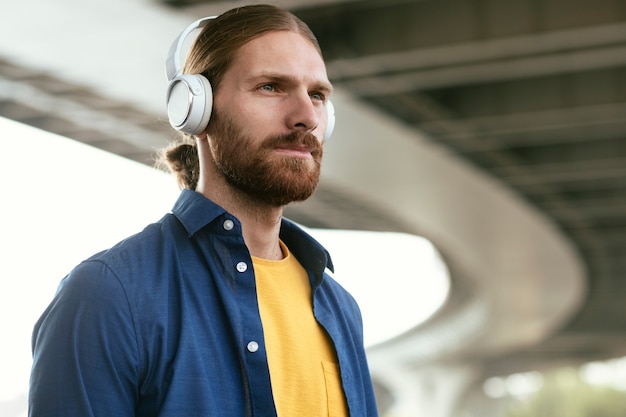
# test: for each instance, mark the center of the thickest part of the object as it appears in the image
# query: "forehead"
(281, 52)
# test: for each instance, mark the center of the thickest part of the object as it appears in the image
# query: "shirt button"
(252, 346)
(242, 267)
(228, 224)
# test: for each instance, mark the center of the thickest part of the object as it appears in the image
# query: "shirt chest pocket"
(334, 392)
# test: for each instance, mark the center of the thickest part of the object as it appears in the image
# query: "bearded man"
(223, 307)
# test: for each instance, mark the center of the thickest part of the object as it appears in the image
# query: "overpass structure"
(492, 128)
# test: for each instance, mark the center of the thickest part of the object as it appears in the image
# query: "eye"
(318, 96)
(268, 87)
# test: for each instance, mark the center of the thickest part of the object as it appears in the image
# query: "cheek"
(257, 121)
(241, 119)
(257, 117)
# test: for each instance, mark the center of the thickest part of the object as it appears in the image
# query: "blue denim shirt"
(162, 324)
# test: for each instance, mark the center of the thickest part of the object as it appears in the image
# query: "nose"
(304, 113)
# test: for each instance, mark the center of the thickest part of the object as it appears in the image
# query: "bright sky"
(63, 201)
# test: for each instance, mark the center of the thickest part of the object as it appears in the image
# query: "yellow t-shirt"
(302, 360)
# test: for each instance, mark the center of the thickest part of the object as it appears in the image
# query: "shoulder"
(333, 289)
(147, 246)
(130, 264)
(120, 282)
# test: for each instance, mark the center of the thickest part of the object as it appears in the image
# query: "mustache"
(305, 139)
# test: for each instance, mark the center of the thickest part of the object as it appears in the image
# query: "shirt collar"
(195, 211)
(306, 249)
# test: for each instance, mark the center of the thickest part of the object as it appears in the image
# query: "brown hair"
(211, 55)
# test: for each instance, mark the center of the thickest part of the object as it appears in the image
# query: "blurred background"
(479, 158)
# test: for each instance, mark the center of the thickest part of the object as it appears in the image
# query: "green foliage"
(564, 394)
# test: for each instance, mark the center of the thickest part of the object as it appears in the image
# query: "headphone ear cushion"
(330, 125)
(189, 103)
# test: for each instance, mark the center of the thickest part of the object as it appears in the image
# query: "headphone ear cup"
(189, 103)
(330, 125)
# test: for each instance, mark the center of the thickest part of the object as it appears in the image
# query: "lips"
(295, 148)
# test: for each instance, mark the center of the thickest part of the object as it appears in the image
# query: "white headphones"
(189, 97)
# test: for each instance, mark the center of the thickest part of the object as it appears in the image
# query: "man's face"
(269, 118)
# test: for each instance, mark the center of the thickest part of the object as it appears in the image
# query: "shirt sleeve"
(85, 352)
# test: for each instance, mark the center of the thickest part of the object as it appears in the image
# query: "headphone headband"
(174, 61)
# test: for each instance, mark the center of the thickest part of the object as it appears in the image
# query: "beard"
(255, 169)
